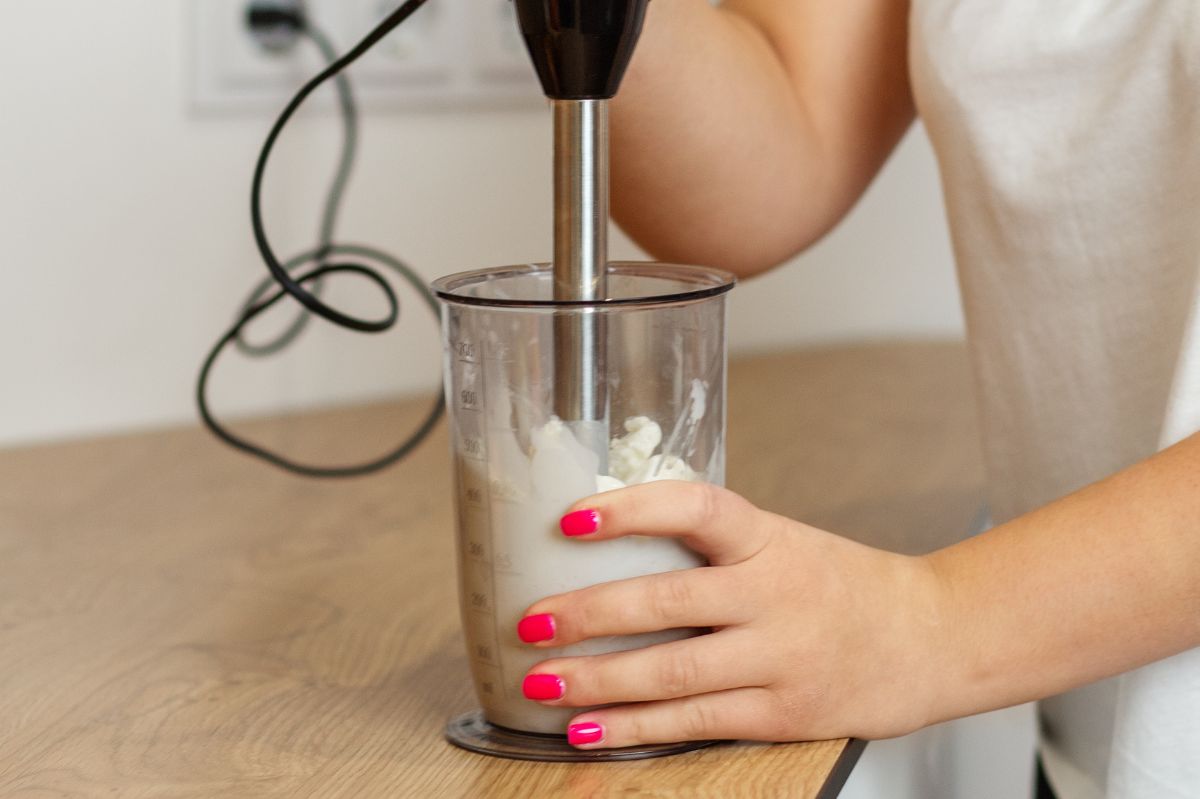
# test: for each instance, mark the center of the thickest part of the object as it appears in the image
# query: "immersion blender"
(538, 360)
(581, 49)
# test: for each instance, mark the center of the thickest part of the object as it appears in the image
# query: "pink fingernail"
(581, 522)
(533, 629)
(543, 687)
(586, 733)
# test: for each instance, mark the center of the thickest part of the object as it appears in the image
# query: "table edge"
(842, 768)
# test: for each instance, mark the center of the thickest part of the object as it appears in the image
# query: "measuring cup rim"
(710, 283)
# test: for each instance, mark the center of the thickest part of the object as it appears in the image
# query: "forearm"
(743, 133)
(1100, 582)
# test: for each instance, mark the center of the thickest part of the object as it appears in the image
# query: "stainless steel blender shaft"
(580, 267)
(581, 51)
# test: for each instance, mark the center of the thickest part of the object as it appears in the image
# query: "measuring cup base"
(471, 731)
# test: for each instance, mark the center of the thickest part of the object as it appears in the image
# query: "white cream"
(631, 459)
(628, 454)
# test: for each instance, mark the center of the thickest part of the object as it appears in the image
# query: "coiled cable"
(305, 288)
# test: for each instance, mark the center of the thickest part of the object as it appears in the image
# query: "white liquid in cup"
(530, 559)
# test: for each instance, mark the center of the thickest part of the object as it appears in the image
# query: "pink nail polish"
(586, 733)
(543, 687)
(533, 629)
(581, 522)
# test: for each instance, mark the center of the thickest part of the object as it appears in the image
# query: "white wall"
(126, 240)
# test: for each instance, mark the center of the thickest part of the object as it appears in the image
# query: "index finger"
(710, 520)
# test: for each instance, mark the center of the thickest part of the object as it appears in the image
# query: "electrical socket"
(450, 53)
(418, 52)
(231, 70)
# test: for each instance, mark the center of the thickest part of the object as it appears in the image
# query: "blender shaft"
(580, 198)
(580, 267)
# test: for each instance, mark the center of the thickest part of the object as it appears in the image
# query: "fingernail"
(581, 522)
(533, 629)
(543, 687)
(586, 733)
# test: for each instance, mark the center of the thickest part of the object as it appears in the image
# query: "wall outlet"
(419, 53)
(449, 54)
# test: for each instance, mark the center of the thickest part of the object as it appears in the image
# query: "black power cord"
(295, 287)
(277, 29)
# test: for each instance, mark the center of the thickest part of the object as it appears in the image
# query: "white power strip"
(449, 54)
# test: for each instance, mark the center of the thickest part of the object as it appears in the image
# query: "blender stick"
(580, 269)
(580, 50)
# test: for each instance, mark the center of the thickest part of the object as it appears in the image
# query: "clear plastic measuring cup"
(518, 467)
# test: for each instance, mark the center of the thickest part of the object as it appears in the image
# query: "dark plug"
(276, 24)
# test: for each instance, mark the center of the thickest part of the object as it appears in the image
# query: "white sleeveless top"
(1068, 137)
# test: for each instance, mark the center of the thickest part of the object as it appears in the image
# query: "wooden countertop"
(177, 620)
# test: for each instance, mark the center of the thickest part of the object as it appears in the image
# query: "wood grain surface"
(177, 620)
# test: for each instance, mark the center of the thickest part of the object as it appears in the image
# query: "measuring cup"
(518, 467)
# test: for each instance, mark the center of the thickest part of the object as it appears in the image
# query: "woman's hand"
(814, 636)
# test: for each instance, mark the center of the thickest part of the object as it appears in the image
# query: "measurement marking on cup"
(468, 399)
(464, 351)
(472, 447)
(474, 542)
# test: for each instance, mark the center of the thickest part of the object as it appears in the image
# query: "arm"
(818, 637)
(1095, 584)
(743, 133)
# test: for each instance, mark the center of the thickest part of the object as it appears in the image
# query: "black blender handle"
(581, 48)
